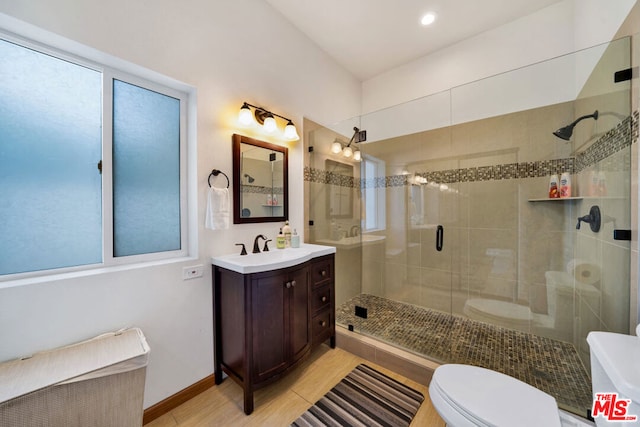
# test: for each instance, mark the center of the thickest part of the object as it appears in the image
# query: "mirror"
(340, 192)
(260, 184)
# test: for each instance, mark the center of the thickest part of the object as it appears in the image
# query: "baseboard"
(171, 402)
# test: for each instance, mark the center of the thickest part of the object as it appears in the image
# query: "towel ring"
(217, 172)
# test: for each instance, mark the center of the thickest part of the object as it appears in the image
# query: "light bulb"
(245, 118)
(347, 152)
(336, 147)
(269, 124)
(357, 156)
(290, 132)
(428, 19)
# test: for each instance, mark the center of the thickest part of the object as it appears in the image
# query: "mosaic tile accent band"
(549, 365)
(260, 189)
(612, 142)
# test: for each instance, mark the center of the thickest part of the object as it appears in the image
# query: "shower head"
(249, 178)
(566, 132)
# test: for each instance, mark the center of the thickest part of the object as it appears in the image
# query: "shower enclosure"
(447, 242)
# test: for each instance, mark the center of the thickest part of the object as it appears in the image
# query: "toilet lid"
(490, 398)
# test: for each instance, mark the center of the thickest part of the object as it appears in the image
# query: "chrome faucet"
(354, 231)
(256, 248)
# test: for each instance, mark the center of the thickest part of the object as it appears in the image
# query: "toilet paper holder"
(593, 219)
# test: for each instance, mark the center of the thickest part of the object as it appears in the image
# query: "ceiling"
(369, 37)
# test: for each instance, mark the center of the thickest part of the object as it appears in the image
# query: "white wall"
(557, 30)
(230, 52)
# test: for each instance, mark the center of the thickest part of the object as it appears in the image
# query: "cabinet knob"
(288, 285)
(293, 283)
(324, 299)
(323, 273)
(323, 323)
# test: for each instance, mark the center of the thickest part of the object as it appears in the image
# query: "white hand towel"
(217, 217)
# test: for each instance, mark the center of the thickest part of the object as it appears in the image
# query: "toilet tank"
(615, 373)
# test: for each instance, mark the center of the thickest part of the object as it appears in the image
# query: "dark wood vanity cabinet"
(265, 323)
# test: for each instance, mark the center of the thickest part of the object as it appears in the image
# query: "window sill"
(13, 281)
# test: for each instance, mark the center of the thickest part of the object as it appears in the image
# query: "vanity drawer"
(321, 327)
(321, 298)
(322, 271)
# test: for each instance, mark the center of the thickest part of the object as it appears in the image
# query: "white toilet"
(471, 396)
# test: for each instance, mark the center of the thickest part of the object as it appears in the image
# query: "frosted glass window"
(374, 193)
(50, 146)
(146, 170)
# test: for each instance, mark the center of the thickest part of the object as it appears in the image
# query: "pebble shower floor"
(549, 365)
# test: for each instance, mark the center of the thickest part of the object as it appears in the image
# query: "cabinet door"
(270, 322)
(299, 313)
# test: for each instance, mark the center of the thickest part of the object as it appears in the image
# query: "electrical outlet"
(192, 272)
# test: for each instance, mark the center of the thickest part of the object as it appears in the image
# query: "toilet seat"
(467, 395)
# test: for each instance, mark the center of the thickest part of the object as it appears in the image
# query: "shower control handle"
(593, 219)
(439, 238)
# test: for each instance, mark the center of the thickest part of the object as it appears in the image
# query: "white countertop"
(274, 259)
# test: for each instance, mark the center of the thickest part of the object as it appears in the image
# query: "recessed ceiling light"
(428, 19)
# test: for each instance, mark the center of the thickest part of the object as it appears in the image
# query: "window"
(92, 164)
(373, 170)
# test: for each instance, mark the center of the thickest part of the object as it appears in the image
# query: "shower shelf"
(562, 199)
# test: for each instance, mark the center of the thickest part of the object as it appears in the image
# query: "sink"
(274, 259)
(353, 242)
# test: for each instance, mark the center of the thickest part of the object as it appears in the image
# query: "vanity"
(270, 310)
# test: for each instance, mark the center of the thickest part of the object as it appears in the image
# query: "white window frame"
(114, 68)
(377, 192)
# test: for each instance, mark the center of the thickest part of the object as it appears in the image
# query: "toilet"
(470, 396)
(562, 291)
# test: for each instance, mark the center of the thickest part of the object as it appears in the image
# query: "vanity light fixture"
(347, 151)
(267, 120)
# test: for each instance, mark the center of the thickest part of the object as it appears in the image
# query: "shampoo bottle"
(286, 230)
(295, 239)
(593, 183)
(565, 185)
(280, 240)
(602, 184)
(553, 187)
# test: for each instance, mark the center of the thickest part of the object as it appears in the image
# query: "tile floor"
(551, 366)
(280, 403)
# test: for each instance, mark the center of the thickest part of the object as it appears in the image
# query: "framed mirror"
(340, 192)
(260, 181)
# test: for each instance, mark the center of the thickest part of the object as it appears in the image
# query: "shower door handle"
(439, 238)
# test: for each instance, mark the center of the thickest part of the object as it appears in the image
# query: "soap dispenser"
(280, 240)
(295, 239)
(286, 230)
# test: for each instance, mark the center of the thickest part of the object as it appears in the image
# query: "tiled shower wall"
(498, 243)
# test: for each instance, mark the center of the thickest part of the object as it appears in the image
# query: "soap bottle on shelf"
(553, 187)
(593, 183)
(280, 240)
(602, 184)
(286, 230)
(565, 185)
(274, 200)
(269, 200)
(295, 239)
